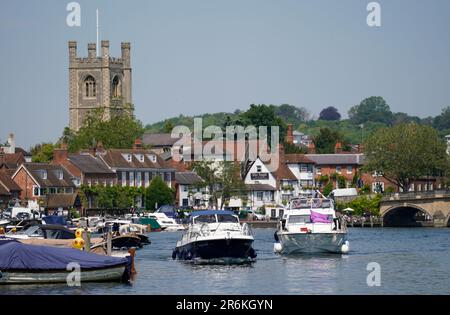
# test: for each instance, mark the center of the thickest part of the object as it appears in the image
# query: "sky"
(205, 56)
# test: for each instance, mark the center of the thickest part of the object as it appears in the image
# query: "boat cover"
(55, 219)
(18, 256)
(319, 218)
(211, 212)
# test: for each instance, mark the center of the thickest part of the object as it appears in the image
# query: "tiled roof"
(37, 170)
(114, 158)
(7, 184)
(159, 139)
(87, 163)
(337, 159)
(297, 158)
(12, 161)
(187, 178)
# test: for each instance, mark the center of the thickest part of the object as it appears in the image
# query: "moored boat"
(215, 236)
(26, 264)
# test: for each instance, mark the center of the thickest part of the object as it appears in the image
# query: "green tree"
(329, 113)
(264, 115)
(326, 140)
(405, 153)
(119, 132)
(442, 121)
(373, 109)
(328, 189)
(158, 194)
(222, 179)
(42, 153)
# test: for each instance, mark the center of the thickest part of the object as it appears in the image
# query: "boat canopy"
(18, 256)
(211, 212)
(55, 219)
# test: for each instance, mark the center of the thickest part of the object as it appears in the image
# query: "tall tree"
(326, 140)
(405, 153)
(329, 113)
(264, 115)
(42, 153)
(222, 180)
(119, 132)
(292, 114)
(158, 194)
(442, 121)
(374, 109)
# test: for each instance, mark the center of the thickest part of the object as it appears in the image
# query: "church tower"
(98, 82)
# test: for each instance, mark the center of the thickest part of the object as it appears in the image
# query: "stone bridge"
(416, 209)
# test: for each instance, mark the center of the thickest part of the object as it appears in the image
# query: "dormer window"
(152, 157)
(44, 174)
(60, 174)
(127, 157)
(140, 157)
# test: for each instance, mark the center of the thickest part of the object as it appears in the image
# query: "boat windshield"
(293, 219)
(32, 230)
(205, 219)
(227, 218)
(312, 203)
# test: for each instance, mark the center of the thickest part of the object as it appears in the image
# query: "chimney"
(137, 144)
(60, 155)
(338, 148)
(289, 134)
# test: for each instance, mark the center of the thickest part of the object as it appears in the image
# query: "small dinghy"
(26, 264)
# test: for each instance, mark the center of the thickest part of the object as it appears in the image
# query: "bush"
(328, 189)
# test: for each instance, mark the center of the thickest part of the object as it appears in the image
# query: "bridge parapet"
(437, 194)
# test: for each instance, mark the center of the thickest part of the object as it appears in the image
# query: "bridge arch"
(406, 215)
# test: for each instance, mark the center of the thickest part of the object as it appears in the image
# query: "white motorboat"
(215, 236)
(310, 225)
(166, 223)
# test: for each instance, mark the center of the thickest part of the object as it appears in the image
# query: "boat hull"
(60, 276)
(217, 251)
(298, 243)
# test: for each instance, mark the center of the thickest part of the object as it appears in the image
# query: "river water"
(411, 260)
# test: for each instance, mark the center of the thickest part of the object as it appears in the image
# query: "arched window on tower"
(116, 87)
(90, 87)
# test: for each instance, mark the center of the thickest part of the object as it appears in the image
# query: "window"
(167, 177)
(152, 157)
(318, 170)
(36, 191)
(44, 174)
(127, 157)
(146, 179)
(131, 179)
(124, 178)
(293, 219)
(90, 87)
(116, 87)
(258, 168)
(338, 169)
(185, 188)
(138, 179)
(259, 196)
(349, 169)
(140, 157)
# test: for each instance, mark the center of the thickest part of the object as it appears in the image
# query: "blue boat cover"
(17, 256)
(55, 219)
(211, 212)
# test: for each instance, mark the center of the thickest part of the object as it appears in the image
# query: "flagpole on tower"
(98, 46)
